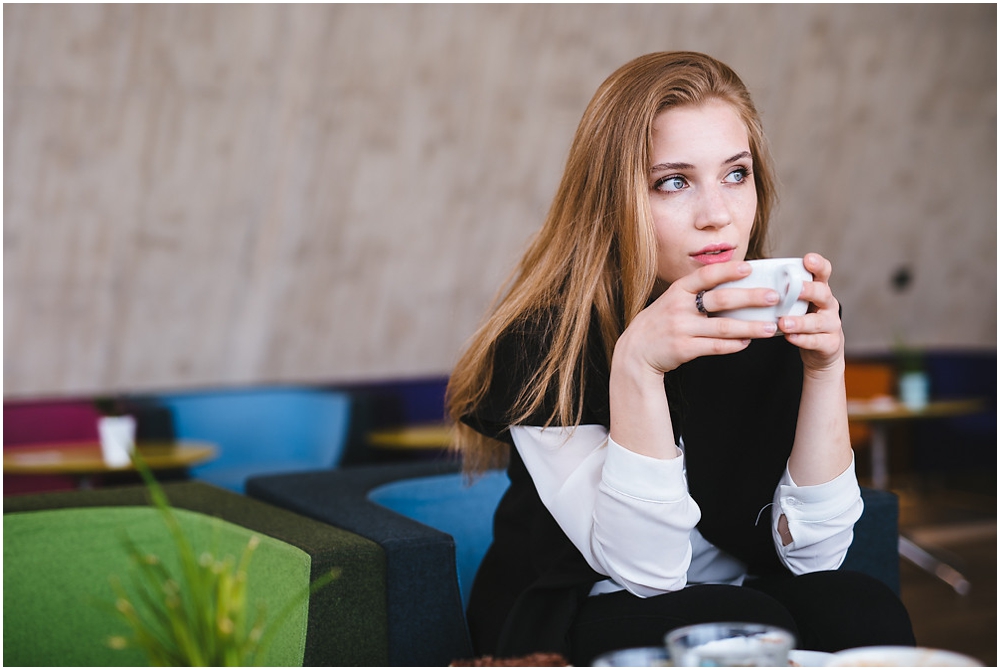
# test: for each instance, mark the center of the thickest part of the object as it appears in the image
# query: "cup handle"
(793, 283)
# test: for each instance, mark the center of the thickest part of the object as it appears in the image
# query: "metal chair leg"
(923, 559)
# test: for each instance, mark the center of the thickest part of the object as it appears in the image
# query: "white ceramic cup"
(117, 439)
(784, 275)
(914, 390)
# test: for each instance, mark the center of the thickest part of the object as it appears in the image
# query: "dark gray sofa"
(428, 565)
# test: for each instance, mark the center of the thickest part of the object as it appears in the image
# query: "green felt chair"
(61, 550)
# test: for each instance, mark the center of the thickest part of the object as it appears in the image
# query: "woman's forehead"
(699, 130)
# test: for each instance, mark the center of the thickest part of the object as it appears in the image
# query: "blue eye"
(737, 176)
(670, 184)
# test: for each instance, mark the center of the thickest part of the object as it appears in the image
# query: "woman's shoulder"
(519, 354)
(527, 341)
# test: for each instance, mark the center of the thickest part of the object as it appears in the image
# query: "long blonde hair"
(596, 251)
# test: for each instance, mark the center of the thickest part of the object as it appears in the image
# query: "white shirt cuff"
(644, 477)
(820, 502)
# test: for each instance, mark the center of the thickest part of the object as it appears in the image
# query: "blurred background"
(244, 197)
(220, 194)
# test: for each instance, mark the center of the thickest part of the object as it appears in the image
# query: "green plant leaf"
(198, 617)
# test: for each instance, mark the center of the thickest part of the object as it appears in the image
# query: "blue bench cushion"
(424, 613)
(450, 504)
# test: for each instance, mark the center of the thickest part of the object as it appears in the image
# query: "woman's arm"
(821, 450)
(668, 333)
(817, 521)
(822, 446)
(629, 515)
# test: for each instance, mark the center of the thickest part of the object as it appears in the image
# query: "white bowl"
(804, 658)
(910, 657)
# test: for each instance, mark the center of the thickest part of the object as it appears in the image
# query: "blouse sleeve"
(629, 515)
(820, 519)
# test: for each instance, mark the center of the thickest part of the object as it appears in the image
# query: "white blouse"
(632, 518)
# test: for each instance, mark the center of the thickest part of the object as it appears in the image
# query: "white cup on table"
(117, 440)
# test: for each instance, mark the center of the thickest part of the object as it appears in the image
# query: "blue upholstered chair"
(261, 431)
(452, 505)
(425, 617)
(435, 529)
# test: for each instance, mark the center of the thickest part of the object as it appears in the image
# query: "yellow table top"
(81, 458)
(440, 435)
(427, 436)
(890, 409)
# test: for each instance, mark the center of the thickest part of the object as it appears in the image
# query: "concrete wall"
(222, 194)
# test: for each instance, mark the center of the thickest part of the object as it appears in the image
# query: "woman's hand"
(818, 334)
(671, 331)
(822, 447)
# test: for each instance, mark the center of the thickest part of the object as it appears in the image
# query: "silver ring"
(699, 302)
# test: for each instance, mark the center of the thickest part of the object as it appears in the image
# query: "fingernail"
(771, 328)
(772, 297)
(744, 268)
(788, 324)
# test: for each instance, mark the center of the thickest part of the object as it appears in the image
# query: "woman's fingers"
(677, 327)
(824, 309)
(734, 329)
(705, 346)
(817, 322)
(820, 267)
(818, 333)
(819, 295)
(710, 276)
(721, 299)
(823, 316)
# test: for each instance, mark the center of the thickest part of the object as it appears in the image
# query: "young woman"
(666, 468)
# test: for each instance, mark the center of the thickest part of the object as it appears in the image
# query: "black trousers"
(827, 611)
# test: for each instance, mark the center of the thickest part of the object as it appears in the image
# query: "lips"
(714, 253)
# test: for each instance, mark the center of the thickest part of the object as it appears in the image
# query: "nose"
(713, 210)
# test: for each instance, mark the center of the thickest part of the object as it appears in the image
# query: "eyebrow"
(687, 166)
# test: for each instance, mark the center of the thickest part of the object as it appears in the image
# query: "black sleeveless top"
(737, 414)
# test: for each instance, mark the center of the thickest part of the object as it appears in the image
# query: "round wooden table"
(83, 459)
(426, 436)
(879, 413)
